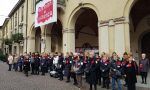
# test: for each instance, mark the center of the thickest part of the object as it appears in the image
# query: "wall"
(136, 37)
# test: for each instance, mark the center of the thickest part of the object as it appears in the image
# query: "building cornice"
(16, 7)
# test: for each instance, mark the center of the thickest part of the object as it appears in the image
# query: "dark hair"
(125, 53)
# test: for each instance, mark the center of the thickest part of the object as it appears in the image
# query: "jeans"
(114, 81)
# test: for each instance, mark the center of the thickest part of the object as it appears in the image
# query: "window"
(33, 5)
(13, 22)
(16, 19)
(22, 13)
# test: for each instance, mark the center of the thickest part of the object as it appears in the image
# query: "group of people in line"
(98, 70)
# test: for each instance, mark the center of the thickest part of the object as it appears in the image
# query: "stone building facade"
(84, 25)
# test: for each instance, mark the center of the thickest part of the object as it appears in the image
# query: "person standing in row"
(26, 65)
(131, 72)
(92, 77)
(98, 61)
(43, 64)
(16, 58)
(105, 69)
(115, 72)
(36, 63)
(20, 62)
(60, 66)
(124, 61)
(68, 67)
(10, 62)
(32, 60)
(144, 68)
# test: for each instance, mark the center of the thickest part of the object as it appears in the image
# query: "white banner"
(46, 12)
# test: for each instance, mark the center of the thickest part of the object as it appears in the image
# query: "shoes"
(75, 83)
(67, 81)
(125, 85)
(103, 86)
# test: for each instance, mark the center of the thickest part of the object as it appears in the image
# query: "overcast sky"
(5, 8)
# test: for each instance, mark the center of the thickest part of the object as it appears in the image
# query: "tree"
(7, 41)
(17, 38)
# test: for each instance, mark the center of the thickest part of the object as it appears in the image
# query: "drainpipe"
(26, 25)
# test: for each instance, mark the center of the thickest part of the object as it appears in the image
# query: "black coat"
(105, 68)
(60, 63)
(92, 77)
(37, 62)
(131, 71)
(26, 65)
(67, 66)
(115, 68)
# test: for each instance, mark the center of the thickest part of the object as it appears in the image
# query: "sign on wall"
(46, 12)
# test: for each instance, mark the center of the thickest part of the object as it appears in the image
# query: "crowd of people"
(98, 70)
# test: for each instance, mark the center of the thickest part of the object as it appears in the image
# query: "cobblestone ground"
(11, 80)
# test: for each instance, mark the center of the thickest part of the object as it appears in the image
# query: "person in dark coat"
(105, 69)
(124, 61)
(26, 65)
(92, 77)
(32, 60)
(68, 67)
(60, 66)
(144, 68)
(98, 59)
(43, 64)
(50, 62)
(86, 65)
(37, 64)
(20, 63)
(130, 73)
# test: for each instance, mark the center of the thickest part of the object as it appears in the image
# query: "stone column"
(103, 37)
(120, 36)
(48, 43)
(68, 40)
(111, 36)
(127, 34)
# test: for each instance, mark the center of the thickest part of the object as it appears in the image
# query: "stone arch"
(128, 7)
(136, 36)
(77, 11)
(31, 34)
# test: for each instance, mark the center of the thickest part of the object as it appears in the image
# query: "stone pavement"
(11, 80)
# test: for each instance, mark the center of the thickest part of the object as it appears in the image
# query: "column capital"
(113, 22)
(121, 20)
(66, 30)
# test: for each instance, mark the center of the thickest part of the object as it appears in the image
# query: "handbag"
(87, 70)
(118, 73)
(79, 72)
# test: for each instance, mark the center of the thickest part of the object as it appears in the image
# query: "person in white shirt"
(55, 61)
(10, 62)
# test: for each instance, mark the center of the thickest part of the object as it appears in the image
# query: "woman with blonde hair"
(105, 69)
(130, 72)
